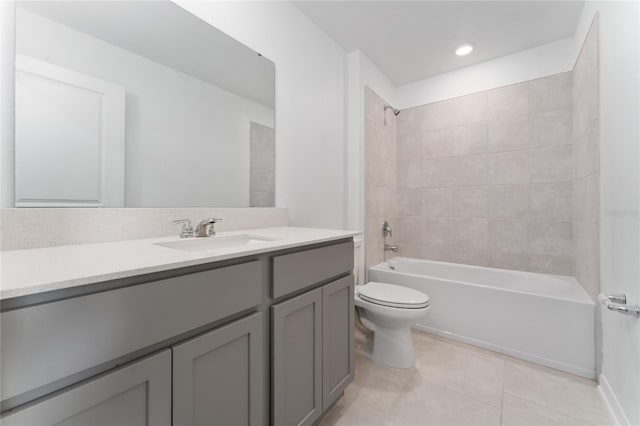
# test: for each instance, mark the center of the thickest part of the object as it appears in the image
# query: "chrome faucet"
(206, 227)
(187, 228)
(389, 247)
(387, 232)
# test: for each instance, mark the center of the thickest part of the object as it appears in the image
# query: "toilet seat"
(394, 296)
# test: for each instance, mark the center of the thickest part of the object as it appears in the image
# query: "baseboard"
(618, 417)
(573, 369)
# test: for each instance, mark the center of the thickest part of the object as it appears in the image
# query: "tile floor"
(457, 384)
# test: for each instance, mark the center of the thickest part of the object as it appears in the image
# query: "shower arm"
(394, 110)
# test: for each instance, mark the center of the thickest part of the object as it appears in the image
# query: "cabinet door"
(337, 339)
(137, 394)
(218, 376)
(297, 360)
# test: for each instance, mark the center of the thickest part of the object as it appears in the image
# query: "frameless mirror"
(138, 104)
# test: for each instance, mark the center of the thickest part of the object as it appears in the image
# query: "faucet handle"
(386, 229)
(187, 228)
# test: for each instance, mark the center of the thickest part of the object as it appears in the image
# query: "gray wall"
(586, 182)
(507, 178)
(380, 174)
(486, 179)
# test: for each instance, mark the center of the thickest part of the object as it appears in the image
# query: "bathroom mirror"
(138, 104)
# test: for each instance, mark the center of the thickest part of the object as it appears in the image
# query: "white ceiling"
(413, 40)
(166, 33)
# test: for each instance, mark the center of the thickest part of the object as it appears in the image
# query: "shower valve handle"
(386, 229)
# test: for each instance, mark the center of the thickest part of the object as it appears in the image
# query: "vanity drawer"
(296, 271)
(46, 343)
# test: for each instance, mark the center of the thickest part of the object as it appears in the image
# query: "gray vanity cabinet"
(312, 352)
(137, 394)
(297, 359)
(185, 348)
(338, 366)
(218, 376)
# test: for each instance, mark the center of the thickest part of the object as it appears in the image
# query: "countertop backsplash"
(50, 227)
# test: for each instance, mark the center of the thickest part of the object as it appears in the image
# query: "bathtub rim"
(586, 299)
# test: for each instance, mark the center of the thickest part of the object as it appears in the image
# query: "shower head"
(394, 110)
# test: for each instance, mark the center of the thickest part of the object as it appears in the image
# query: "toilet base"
(393, 347)
(391, 326)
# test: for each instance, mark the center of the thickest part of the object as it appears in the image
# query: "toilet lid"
(393, 295)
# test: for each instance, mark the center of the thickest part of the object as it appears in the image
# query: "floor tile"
(360, 406)
(368, 400)
(426, 403)
(461, 369)
(516, 412)
(376, 376)
(558, 391)
(458, 384)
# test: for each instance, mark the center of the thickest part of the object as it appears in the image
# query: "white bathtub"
(546, 319)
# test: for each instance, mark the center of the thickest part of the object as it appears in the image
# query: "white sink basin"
(217, 243)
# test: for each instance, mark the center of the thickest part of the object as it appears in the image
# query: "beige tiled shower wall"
(380, 174)
(487, 178)
(586, 207)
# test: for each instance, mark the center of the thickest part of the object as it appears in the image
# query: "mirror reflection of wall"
(139, 104)
(263, 166)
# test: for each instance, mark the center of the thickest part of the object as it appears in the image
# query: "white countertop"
(32, 271)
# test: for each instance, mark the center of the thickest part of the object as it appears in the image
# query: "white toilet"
(389, 311)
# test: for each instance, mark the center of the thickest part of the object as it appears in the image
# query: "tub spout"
(389, 247)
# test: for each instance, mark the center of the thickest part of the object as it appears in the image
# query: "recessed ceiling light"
(464, 49)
